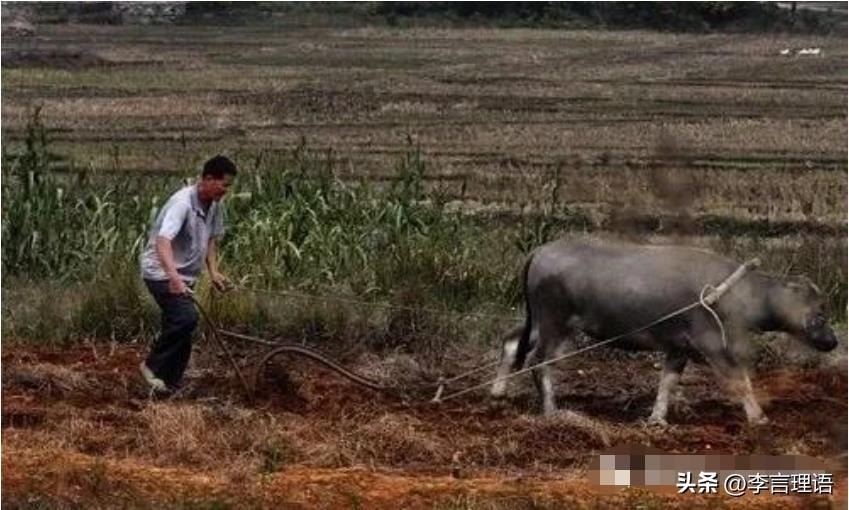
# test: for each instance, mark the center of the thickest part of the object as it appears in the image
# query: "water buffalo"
(606, 289)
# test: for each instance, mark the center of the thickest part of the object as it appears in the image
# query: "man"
(184, 234)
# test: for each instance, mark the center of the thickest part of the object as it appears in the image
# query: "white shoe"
(156, 384)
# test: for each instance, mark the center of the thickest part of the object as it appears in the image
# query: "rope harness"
(708, 296)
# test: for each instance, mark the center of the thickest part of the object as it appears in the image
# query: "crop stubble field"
(658, 137)
(497, 108)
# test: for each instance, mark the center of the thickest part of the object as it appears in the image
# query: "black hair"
(218, 167)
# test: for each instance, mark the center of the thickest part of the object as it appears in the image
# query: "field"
(427, 162)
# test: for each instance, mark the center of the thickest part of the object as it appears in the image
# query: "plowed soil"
(80, 430)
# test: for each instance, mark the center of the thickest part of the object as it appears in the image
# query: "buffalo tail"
(524, 346)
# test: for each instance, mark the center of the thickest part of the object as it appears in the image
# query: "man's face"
(214, 188)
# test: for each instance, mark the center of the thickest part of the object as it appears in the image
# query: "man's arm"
(166, 258)
(219, 280)
(172, 222)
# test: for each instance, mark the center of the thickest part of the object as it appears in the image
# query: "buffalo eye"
(817, 321)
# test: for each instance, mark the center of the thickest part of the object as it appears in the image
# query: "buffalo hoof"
(656, 421)
(568, 415)
(499, 403)
(758, 420)
(551, 412)
(498, 395)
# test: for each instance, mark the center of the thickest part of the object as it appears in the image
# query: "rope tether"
(704, 301)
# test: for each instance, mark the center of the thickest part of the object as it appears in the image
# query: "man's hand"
(177, 286)
(221, 282)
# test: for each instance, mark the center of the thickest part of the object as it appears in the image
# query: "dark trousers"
(172, 349)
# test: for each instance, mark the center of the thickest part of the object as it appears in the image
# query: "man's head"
(216, 178)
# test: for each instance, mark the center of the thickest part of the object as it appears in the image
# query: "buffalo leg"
(737, 380)
(508, 357)
(673, 366)
(542, 379)
(542, 375)
(741, 385)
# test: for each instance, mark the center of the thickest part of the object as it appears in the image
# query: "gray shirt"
(184, 221)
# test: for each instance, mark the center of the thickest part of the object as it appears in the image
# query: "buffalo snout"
(826, 341)
(820, 335)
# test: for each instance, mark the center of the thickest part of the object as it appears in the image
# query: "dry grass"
(390, 439)
(244, 442)
(47, 378)
(391, 369)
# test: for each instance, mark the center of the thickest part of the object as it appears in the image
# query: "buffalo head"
(798, 306)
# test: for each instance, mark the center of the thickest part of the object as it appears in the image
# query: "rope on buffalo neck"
(704, 301)
(713, 313)
(721, 289)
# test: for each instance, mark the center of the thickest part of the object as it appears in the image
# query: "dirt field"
(615, 116)
(78, 429)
